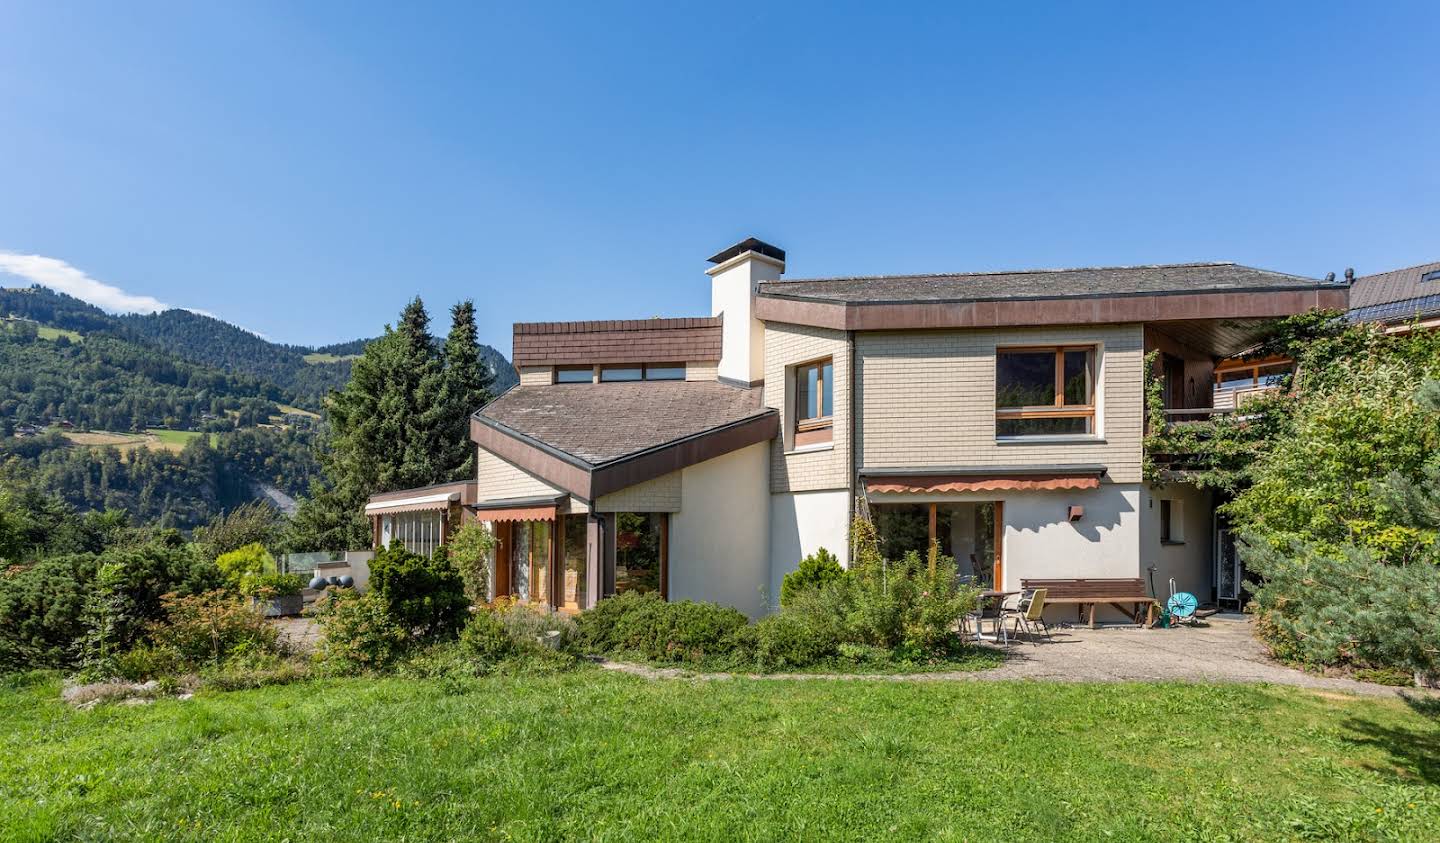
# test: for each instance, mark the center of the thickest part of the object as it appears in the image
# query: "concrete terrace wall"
(927, 398)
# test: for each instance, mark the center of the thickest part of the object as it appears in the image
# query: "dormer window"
(609, 374)
(574, 374)
(1432, 275)
(642, 372)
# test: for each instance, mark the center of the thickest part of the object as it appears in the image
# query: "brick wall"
(499, 479)
(662, 494)
(702, 371)
(785, 346)
(927, 398)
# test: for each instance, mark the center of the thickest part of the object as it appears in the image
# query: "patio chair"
(1030, 612)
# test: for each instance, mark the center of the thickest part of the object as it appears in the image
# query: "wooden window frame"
(1059, 410)
(816, 430)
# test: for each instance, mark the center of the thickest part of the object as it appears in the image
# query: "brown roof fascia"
(590, 482)
(539, 461)
(891, 316)
(647, 465)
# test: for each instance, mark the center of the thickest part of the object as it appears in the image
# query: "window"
(1432, 275)
(574, 374)
(1172, 526)
(1044, 391)
(640, 539)
(621, 373)
(576, 569)
(664, 371)
(643, 371)
(814, 402)
(420, 532)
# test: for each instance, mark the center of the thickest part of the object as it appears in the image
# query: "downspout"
(853, 445)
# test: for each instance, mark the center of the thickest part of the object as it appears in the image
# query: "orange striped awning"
(983, 483)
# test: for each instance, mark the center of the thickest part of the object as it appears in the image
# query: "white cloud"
(59, 275)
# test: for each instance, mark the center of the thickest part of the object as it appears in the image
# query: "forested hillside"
(305, 374)
(171, 418)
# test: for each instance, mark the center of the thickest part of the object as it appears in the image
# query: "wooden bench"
(1094, 592)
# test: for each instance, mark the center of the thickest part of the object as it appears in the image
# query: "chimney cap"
(749, 244)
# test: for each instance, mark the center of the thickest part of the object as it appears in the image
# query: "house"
(1399, 299)
(999, 414)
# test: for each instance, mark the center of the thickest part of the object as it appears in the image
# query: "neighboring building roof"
(1042, 284)
(617, 341)
(592, 439)
(1397, 295)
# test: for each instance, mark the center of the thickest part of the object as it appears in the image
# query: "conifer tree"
(466, 387)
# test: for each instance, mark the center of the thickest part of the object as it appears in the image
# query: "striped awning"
(982, 483)
(441, 500)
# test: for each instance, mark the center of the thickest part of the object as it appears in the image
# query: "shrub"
(268, 586)
(42, 612)
(816, 571)
(422, 596)
(249, 561)
(469, 551)
(792, 639)
(530, 627)
(486, 639)
(647, 625)
(361, 636)
(207, 629)
(129, 590)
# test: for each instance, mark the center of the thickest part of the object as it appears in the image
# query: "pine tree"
(1417, 503)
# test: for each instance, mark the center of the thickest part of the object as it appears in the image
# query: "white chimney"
(733, 279)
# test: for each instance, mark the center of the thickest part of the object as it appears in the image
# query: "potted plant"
(277, 594)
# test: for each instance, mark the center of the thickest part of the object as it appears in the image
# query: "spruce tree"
(401, 422)
(466, 387)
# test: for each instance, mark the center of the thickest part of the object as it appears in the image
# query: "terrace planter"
(281, 607)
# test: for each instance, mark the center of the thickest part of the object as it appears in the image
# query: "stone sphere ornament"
(347, 581)
(319, 583)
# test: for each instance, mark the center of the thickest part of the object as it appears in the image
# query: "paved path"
(1222, 651)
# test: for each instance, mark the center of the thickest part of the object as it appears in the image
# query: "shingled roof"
(1110, 281)
(601, 423)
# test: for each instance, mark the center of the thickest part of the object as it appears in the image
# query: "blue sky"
(302, 169)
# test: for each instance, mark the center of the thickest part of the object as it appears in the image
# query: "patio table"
(999, 597)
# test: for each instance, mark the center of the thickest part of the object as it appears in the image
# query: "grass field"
(314, 357)
(286, 408)
(602, 756)
(153, 438)
(45, 332)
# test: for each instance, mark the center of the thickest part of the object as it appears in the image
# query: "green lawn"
(597, 755)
